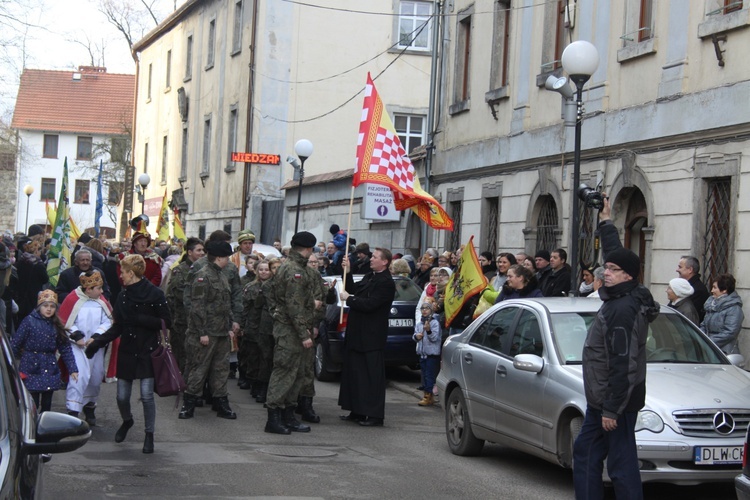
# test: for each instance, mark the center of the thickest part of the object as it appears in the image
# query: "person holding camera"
(428, 339)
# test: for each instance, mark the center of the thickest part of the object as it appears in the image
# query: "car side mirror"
(737, 360)
(528, 363)
(57, 433)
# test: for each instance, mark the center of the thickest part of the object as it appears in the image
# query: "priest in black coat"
(362, 389)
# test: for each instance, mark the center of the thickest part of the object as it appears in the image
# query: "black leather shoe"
(371, 422)
(352, 417)
(122, 432)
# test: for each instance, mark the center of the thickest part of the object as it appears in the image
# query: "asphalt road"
(209, 457)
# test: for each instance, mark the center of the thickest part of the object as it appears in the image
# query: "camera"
(591, 197)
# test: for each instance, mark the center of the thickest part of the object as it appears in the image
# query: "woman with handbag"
(140, 312)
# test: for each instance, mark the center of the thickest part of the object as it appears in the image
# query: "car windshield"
(671, 339)
(407, 291)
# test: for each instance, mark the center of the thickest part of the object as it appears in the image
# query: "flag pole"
(346, 252)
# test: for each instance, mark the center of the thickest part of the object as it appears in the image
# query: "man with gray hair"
(69, 281)
(598, 282)
(689, 268)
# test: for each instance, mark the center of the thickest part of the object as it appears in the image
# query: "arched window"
(546, 224)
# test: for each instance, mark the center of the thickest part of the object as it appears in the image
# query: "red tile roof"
(57, 101)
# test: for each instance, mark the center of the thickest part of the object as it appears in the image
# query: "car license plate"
(718, 455)
(400, 322)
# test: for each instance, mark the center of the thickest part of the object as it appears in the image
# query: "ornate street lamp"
(28, 190)
(579, 60)
(304, 150)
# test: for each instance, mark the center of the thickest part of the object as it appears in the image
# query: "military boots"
(224, 411)
(275, 424)
(292, 423)
(188, 406)
(305, 408)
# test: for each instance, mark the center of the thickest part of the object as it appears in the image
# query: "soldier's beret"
(304, 239)
(219, 248)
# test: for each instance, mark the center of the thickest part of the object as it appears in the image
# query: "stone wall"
(8, 195)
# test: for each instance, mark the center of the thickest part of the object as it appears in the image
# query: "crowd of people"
(236, 313)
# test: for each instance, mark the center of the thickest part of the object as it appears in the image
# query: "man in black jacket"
(362, 389)
(557, 282)
(688, 268)
(543, 269)
(68, 280)
(614, 374)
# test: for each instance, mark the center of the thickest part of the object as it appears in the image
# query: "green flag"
(58, 255)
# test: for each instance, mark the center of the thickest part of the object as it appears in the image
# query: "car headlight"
(649, 420)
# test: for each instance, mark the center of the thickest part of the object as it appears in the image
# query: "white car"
(514, 377)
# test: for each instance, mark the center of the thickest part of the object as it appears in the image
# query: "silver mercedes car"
(514, 377)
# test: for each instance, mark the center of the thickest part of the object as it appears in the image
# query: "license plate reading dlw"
(397, 322)
(718, 455)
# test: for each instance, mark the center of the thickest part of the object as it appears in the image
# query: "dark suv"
(400, 349)
(25, 436)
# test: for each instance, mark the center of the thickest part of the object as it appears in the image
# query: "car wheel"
(574, 429)
(461, 439)
(322, 364)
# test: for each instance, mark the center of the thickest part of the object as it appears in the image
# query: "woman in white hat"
(678, 293)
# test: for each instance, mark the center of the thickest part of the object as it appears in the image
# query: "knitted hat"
(626, 259)
(681, 287)
(304, 239)
(245, 235)
(544, 254)
(46, 296)
(90, 281)
(219, 248)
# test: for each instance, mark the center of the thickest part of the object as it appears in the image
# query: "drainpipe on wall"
(124, 226)
(431, 116)
(246, 178)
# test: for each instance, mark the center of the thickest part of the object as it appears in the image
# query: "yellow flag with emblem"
(466, 281)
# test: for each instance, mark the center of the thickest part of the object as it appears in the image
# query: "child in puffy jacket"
(428, 339)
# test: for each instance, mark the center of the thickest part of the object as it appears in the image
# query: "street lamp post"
(580, 60)
(143, 180)
(304, 150)
(27, 190)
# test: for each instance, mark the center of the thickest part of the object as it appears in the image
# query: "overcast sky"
(52, 45)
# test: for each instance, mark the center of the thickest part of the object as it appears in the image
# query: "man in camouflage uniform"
(293, 313)
(194, 250)
(209, 332)
(307, 387)
(233, 277)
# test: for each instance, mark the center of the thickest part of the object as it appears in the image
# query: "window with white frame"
(189, 58)
(206, 164)
(410, 130)
(50, 145)
(184, 159)
(84, 148)
(210, 49)
(168, 76)
(500, 45)
(82, 191)
(237, 35)
(414, 27)
(48, 189)
(232, 136)
(164, 151)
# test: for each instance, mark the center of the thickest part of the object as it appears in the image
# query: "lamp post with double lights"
(28, 190)
(304, 149)
(579, 60)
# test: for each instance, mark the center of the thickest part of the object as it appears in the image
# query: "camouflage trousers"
(288, 368)
(177, 343)
(248, 344)
(266, 345)
(208, 362)
(307, 386)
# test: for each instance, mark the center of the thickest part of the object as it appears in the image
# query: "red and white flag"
(381, 159)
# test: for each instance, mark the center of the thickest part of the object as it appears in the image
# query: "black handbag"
(168, 379)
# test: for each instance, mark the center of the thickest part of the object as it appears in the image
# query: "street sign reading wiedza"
(263, 159)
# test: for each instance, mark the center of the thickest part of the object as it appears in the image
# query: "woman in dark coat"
(521, 284)
(32, 276)
(139, 312)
